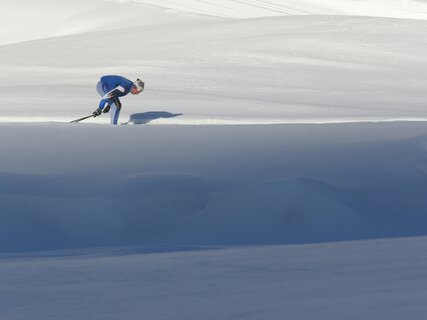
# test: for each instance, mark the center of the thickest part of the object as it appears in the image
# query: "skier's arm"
(114, 93)
(96, 113)
(104, 106)
(103, 103)
(109, 95)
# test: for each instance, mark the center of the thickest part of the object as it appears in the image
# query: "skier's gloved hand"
(97, 112)
(106, 109)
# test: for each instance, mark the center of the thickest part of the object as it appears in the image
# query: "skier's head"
(137, 87)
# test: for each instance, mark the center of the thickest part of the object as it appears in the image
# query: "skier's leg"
(113, 110)
(116, 106)
(100, 89)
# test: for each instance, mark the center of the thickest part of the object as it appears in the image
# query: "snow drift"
(210, 185)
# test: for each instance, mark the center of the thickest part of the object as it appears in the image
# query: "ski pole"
(78, 120)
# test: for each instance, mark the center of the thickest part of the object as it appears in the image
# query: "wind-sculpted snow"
(29, 20)
(409, 9)
(186, 186)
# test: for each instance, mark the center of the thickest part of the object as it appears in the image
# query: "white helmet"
(139, 85)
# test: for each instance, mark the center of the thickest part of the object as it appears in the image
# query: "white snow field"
(216, 70)
(275, 167)
(382, 279)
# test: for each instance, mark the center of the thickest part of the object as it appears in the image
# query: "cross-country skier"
(110, 88)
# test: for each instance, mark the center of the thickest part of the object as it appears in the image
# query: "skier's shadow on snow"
(146, 117)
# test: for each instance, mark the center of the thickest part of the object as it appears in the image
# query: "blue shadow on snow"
(146, 117)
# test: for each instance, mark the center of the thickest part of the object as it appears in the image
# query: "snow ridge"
(244, 185)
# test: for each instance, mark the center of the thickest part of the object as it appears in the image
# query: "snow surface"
(210, 185)
(381, 279)
(267, 128)
(216, 70)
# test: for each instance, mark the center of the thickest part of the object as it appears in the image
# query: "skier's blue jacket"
(114, 87)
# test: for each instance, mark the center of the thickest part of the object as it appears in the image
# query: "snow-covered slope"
(29, 20)
(407, 9)
(215, 68)
(82, 186)
(379, 279)
(260, 66)
(287, 68)
(299, 68)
